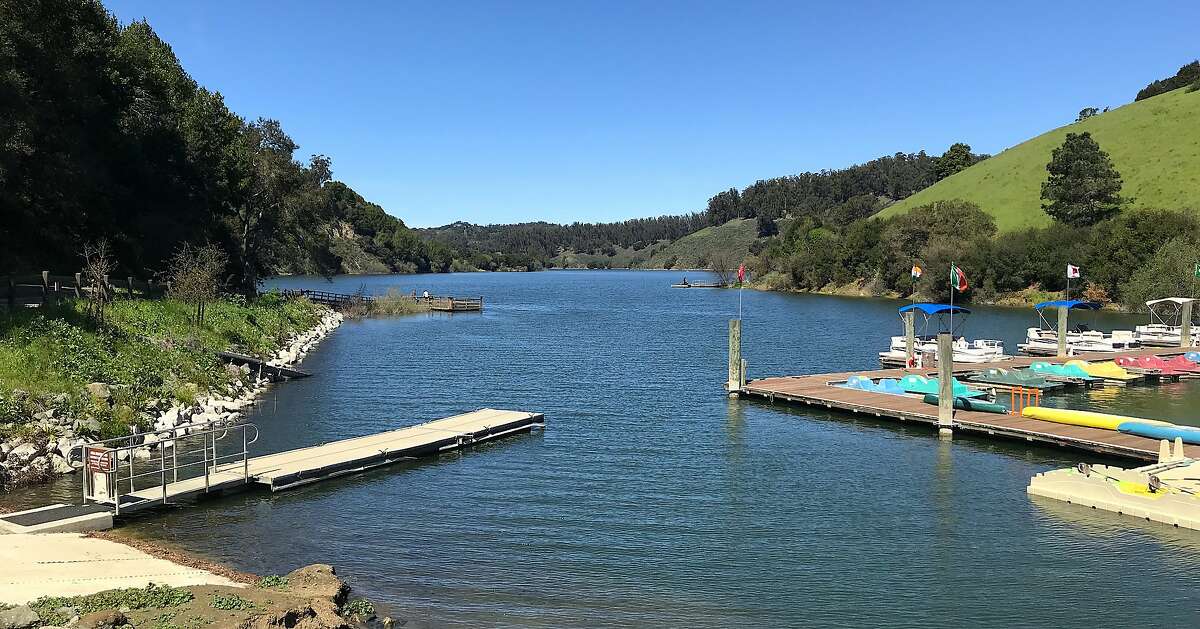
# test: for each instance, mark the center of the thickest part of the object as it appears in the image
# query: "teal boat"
(1074, 372)
(1014, 378)
(914, 383)
(863, 383)
(968, 404)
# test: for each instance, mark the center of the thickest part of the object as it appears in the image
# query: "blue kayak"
(1188, 433)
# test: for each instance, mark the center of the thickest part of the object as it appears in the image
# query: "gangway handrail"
(209, 432)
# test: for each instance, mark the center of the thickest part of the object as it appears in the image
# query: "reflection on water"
(652, 499)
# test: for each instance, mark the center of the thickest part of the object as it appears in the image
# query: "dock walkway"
(819, 390)
(279, 471)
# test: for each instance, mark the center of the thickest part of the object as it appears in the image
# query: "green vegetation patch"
(230, 602)
(144, 349)
(272, 581)
(1153, 143)
(731, 239)
(150, 597)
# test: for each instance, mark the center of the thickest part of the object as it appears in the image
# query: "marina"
(822, 390)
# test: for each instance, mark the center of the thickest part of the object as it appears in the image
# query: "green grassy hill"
(692, 251)
(1154, 143)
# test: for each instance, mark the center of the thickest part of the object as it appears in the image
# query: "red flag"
(958, 278)
(741, 274)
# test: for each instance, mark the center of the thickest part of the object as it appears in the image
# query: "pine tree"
(1083, 187)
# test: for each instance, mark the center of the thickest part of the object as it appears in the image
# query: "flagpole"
(953, 276)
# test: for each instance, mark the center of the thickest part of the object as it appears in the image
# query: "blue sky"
(567, 110)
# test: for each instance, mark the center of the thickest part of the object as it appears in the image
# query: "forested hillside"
(105, 136)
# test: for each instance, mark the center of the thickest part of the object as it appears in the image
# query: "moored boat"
(925, 343)
(1165, 327)
(1043, 340)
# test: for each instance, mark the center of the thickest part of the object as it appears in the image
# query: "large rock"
(106, 619)
(18, 617)
(86, 426)
(22, 453)
(318, 581)
(99, 390)
(59, 465)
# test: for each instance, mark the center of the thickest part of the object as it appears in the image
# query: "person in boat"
(425, 295)
(684, 282)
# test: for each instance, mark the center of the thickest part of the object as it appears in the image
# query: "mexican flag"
(958, 279)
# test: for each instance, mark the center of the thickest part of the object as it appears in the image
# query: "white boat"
(1043, 341)
(965, 351)
(976, 351)
(1165, 329)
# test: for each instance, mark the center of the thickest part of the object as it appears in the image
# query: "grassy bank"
(144, 350)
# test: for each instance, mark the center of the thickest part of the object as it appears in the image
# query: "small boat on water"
(1043, 340)
(1166, 325)
(1013, 379)
(686, 284)
(925, 343)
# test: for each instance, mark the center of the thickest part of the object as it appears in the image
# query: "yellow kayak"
(1107, 370)
(1084, 418)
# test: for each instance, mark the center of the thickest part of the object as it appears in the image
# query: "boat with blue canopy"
(1043, 339)
(937, 318)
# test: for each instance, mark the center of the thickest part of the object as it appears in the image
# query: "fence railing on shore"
(39, 289)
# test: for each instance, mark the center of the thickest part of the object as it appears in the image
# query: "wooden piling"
(910, 333)
(1062, 331)
(945, 362)
(734, 383)
(1185, 324)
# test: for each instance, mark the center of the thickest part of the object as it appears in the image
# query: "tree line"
(1188, 76)
(1127, 257)
(838, 196)
(105, 137)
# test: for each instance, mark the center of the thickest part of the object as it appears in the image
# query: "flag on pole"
(958, 279)
(1197, 269)
(916, 271)
(741, 273)
(1072, 271)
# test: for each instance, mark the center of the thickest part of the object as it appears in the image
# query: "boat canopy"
(1069, 304)
(931, 309)
(1172, 300)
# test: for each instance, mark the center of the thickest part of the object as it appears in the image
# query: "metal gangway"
(191, 459)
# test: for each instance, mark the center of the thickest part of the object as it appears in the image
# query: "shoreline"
(29, 461)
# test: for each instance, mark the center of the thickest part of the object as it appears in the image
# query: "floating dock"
(159, 483)
(819, 390)
(1167, 491)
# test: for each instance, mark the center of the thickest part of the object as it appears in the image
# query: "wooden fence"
(33, 290)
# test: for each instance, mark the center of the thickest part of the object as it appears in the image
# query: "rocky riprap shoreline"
(52, 443)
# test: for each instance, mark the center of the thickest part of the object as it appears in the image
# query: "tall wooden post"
(45, 287)
(1185, 324)
(945, 360)
(910, 341)
(12, 293)
(733, 384)
(129, 284)
(1062, 331)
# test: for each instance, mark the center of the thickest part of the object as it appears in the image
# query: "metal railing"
(118, 459)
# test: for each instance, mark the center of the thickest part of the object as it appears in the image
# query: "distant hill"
(696, 250)
(1154, 143)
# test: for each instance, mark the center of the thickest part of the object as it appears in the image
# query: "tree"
(1187, 75)
(97, 264)
(1169, 272)
(195, 274)
(1083, 187)
(1086, 112)
(956, 158)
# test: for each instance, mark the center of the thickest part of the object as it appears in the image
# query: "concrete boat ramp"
(215, 458)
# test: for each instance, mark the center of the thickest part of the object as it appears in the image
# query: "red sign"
(99, 460)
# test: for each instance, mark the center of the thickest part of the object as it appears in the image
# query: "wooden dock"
(161, 484)
(437, 303)
(818, 390)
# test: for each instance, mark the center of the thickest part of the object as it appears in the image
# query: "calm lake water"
(651, 500)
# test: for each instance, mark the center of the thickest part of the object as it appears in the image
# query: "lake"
(652, 500)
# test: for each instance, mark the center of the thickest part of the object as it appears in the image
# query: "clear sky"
(567, 110)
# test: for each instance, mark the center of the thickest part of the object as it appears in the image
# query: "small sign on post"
(99, 460)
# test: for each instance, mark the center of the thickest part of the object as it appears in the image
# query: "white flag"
(1072, 271)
